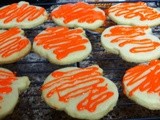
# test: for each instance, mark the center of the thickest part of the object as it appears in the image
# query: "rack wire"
(32, 107)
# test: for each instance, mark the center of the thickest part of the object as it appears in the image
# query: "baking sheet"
(32, 107)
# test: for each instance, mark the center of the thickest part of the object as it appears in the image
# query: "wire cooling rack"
(32, 107)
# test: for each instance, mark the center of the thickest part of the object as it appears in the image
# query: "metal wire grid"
(32, 107)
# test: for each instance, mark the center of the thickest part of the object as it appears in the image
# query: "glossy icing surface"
(79, 82)
(129, 35)
(6, 79)
(144, 78)
(11, 42)
(20, 13)
(62, 41)
(133, 10)
(82, 12)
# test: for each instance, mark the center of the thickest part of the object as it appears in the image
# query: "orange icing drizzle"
(62, 41)
(128, 35)
(81, 11)
(20, 13)
(11, 42)
(6, 79)
(132, 10)
(78, 82)
(149, 75)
